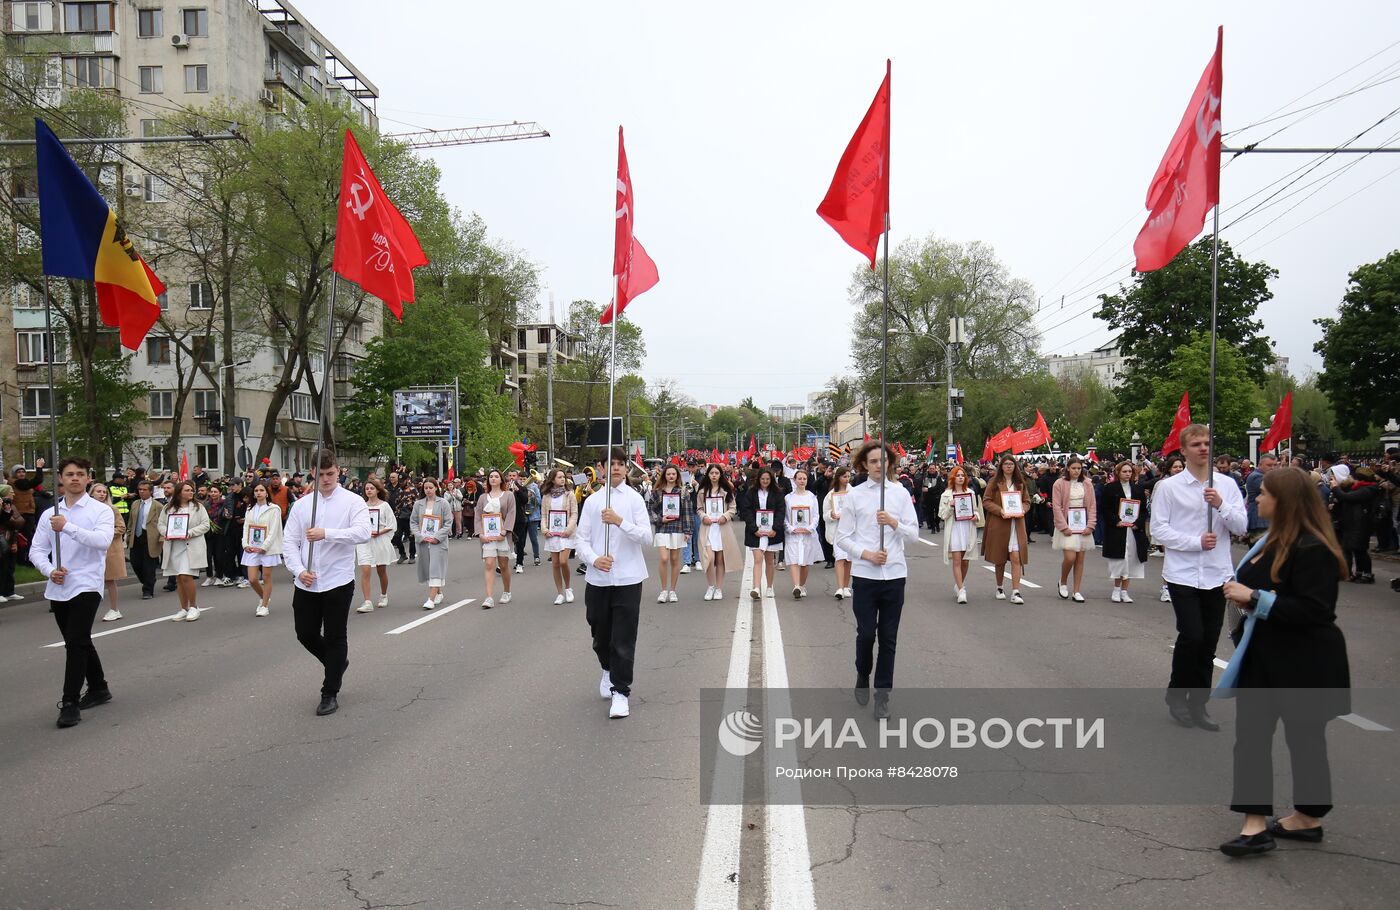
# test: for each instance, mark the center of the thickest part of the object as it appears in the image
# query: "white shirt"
(1179, 520)
(626, 541)
(857, 531)
(83, 547)
(143, 512)
(345, 518)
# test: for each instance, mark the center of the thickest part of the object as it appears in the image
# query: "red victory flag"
(928, 448)
(1002, 440)
(184, 465)
(633, 271)
(637, 457)
(1187, 182)
(960, 453)
(857, 205)
(1094, 456)
(1179, 423)
(1282, 427)
(518, 449)
(987, 453)
(374, 246)
(1034, 436)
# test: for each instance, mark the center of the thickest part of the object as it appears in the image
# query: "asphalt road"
(472, 763)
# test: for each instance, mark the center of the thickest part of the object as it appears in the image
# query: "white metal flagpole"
(1214, 293)
(612, 388)
(321, 424)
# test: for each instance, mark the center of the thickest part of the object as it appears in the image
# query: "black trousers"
(877, 606)
(144, 565)
(1199, 616)
(828, 552)
(320, 619)
(1362, 557)
(7, 570)
(613, 613)
(1257, 714)
(75, 618)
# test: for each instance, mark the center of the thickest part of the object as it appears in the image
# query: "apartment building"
(160, 56)
(532, 344)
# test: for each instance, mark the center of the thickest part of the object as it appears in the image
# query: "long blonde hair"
(1298, 510)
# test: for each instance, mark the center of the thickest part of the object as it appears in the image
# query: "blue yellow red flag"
(82, 238)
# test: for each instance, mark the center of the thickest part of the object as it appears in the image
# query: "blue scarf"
(1226, 687)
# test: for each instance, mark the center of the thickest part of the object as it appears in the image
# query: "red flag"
(987, 453)
(374, 245)
(637, 457)
(184, 465)
(867, 437)
(959, 453)
(1034, 436)
(857, 205)
(1179, 423)
(1094, 456)
(451, 472)
(1187, 182)
(928, 448)
(1282, 426)
(1041, 425)
(518, 449)
(1001, 441)
(633, 271)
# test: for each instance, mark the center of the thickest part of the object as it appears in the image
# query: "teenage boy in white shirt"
(612, 594)
(1196, 566)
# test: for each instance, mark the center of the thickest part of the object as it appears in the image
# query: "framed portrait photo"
(178, 528)
(670, 507)
(558, 522)
(431, 526)
(1012, 504)
(962, 507)
(1129, 510)
(1078, 519)
(491, 528)
(257, 535)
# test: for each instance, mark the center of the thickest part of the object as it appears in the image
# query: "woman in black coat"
(1123, 566)
(1290, 662)
(1354, 503)
(764, 495)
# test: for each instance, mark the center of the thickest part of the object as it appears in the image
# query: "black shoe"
(1180, 713)
(92, 698)
(1364, 578)
(1249, 845)
(862, 691)
(537, 560)
(148, 595)
(401, 561)
(1201, 719)
(328, 705)
(882, 705)
(68, 714)
(831, 565)
(1309, 835)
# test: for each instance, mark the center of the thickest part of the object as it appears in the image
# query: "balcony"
(287, 38)
(290, 78)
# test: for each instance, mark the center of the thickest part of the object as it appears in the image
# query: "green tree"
(1237, 399)
(1360, 349)
(113, 419)
(1163, 310)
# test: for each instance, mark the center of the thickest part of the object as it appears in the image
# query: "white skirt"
(493, 549)
(1072, 543)
(960, 536)
(672, 541)
(801, 549)
(261, 559)
(1129, 566)
(558, 544)
(379, 551)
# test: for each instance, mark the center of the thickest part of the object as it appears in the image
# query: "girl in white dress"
(1073, 491)
(263, 520)
(670, 530)
(831, 509)
(800, 546)
(716, 504)
(556, 497)
(378, 552)
(1130, 565)
(184, 558)
(499, 502)
(959, 537)
(432, 547)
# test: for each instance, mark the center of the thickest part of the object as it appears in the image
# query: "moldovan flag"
(857, 205)
(81, 238)
(1187, 182)
(633, 271)
(1282, 426)
(374, 246)
(1179, 423)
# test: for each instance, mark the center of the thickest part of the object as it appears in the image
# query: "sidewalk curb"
(33, 592)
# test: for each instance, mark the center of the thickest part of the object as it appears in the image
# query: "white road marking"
(1024, 580)
(1365, 723)
(135, 625)
(440, 611)
(789, 858)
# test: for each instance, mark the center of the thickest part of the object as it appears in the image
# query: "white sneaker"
(962, 595)
(192, 615)
(1124, 598)
(605, 685)
(1116, 596)
(225, 582)
(15, 597)
(505, 598)
(383, 602)
(1016, 597)
(558, 599)
(244, 583)
(519, 569)
(672, 598)
(206, 582)
(428, 604)
(112, 615)
(437, 598)
(753, 592)
(1064, 592)
(710, 593)
(366, 607)
(661, 598)
(803, 591)
(619, 707)
(262, 610)
(181, 616)
(568, 595)
(1001, 594)
(840, 593)
(1166, 595)
(487, 604)
(685, 570)
(1077, 597)
(850, 593)
(719, 594)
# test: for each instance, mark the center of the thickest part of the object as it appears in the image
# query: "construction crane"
(497, 132)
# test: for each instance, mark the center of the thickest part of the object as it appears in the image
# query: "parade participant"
(84, 529)
(610, 541)
(378, 552)
(874, 539)
(454, 497)
(1073, 492)
(1124, 542)
(184, 554)
(262, 544)
(403, 518)
(521, 492)
(1196, 567)
(831, 509)
(495, 523)
(763, 515)
(1353, 496)
(960, 526)
(532, 521)
(321, 557)
(673, 522)
(556, 499)
(1286, 586)
(1006, 539)
(116, 557)
(432, 516)
(801, 548)
(717, 505)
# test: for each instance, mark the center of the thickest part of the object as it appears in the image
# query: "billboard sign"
(424, 413)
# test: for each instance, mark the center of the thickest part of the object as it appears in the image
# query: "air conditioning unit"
(178, 40)
(269, 98)
(135, 190)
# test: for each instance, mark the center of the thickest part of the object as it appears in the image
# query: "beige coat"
(116, 553)
(153, 526)
(197, 552)
(945, 512)
(733, 555)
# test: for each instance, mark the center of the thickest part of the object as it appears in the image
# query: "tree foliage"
(1237, 399)
(1360, 349)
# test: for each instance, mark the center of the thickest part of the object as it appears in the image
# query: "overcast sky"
(1033, 127)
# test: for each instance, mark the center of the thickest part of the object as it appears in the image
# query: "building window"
(206, 453)
(87, 17)
(205, 348)
(150, 23)
(158, 456)
(162, 404)
(153, 189)
(35, 403)
(543, 335)
(28, 298)
(33, 347)
(31, 17)
(157, 350)
(164, 301)
(197, 78)
(343, 367)
(542, 359)
(91, 72)
(195, 22)
(201, 296)
(520, 336)
(205, 400)
(303, 407)
(152, 79)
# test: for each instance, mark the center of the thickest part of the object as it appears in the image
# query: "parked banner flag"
(857, 205)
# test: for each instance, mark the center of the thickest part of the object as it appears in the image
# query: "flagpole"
(612, 388)
(1214, 293)
(50, 355)
(884, 374)
(321, 423)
